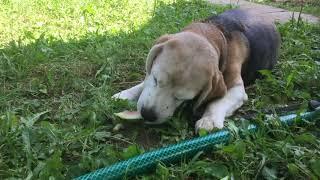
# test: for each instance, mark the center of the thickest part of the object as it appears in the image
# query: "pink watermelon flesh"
(129, 115)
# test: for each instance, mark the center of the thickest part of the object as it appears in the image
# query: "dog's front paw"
(116, 96)
(209, 122)
(124, 95)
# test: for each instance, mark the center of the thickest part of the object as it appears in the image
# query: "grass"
(60, 61)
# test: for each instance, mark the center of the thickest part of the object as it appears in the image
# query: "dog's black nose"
(148, 114)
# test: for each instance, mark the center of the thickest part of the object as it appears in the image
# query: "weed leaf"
(29, 122)
(131, 151)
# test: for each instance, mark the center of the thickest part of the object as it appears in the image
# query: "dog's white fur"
(181, 67)
(218, 110)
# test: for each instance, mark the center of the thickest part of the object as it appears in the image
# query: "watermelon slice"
(130, 115)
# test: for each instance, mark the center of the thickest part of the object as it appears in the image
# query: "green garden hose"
(174, 153)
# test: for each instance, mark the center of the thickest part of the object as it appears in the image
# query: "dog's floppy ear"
(155, 51)
(213, 89)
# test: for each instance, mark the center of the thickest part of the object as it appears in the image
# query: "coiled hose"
(173, 153)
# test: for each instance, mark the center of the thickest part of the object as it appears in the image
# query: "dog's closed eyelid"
(159, 81)
(155, 80)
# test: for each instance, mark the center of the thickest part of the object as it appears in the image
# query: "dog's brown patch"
(233, 53)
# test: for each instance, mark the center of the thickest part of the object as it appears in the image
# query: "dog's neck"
(215, 37)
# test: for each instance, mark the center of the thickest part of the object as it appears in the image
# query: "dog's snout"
(148, 114)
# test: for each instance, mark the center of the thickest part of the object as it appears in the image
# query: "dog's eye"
(155, 80)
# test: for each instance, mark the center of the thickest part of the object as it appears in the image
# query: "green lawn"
(60, 61)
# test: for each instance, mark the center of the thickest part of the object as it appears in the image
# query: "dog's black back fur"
(263, 38)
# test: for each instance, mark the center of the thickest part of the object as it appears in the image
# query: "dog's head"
(179, 67)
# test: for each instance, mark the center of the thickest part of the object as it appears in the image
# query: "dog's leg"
(130, 94)
(219, 109)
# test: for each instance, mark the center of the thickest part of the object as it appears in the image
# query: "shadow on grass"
(73, 80)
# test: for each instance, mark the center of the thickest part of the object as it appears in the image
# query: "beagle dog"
(210, 62)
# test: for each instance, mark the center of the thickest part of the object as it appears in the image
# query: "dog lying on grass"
(210, 62)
